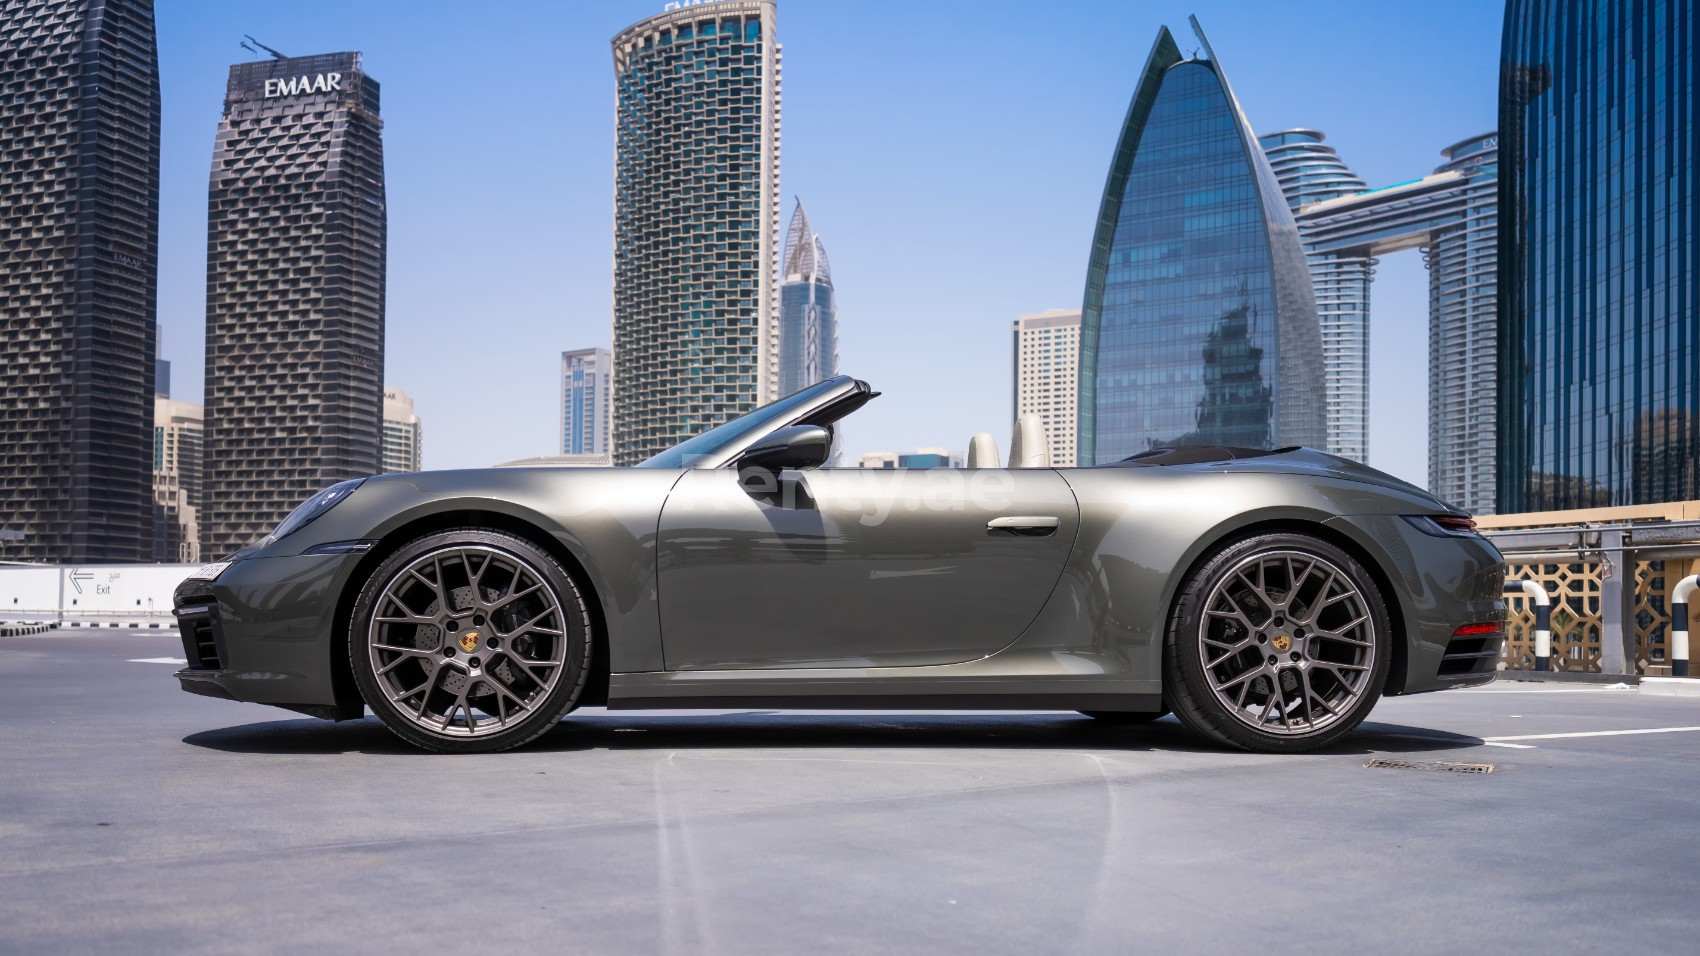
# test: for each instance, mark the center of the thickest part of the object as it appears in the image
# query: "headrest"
(983, 451)
(1031, 447)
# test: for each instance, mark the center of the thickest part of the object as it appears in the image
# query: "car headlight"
(315, 506)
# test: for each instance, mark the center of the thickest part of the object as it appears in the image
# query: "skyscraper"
(1046, 351)
(1599, 282)
(178, 437)
(696, 221)
(1463, 325)
(808, 316)
(1199, 326)
(1453, 216)
(404, 436)
(585, 401)
(79, 187)
(295, 292)
(1311, 172)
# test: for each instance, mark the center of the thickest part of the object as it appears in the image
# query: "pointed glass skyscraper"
(808, 318)
(1199, 326)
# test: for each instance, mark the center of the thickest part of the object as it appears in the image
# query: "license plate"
(209, 572)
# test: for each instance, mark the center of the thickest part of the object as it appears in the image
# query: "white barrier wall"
(90, 592)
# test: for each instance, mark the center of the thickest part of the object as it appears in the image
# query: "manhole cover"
(1430, 765)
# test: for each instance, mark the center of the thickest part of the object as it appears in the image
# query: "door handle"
(1033, 526)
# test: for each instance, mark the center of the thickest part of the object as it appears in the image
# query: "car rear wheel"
(470, 641)
(1278, 644)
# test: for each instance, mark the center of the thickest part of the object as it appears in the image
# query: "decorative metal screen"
(1577, 629)
(1575, 593)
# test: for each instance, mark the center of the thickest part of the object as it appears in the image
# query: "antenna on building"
(250, 39)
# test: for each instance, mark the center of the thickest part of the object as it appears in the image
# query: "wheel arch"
(349, 700)
(1316, 527)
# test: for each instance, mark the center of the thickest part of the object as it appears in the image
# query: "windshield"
(764, 419)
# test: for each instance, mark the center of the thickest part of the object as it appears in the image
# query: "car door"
(856, 567)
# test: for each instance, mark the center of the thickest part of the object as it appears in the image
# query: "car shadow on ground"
(604, 730)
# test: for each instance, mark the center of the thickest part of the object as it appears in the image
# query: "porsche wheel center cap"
(469, 641)
(1279, 641)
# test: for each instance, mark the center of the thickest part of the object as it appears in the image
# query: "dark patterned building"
(1599, 262)
(295, 292)
(79, 187)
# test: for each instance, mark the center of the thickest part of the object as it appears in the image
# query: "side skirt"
(726, 689)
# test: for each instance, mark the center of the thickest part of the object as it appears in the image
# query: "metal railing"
(1612, 605)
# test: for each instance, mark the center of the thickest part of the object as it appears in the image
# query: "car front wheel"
(470, 641)
(1278, 644)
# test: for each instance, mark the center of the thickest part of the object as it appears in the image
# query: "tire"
(1280, 643)
(452, 646)
(1125, 717)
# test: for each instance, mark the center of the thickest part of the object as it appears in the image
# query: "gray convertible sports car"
(1266, 598)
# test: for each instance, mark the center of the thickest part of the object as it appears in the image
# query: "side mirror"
(796, 446)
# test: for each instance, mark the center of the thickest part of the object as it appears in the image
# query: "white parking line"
(1501, 743)
(1593, 733)
(156, 660)
(1501, 689)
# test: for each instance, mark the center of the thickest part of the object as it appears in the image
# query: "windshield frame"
(722, 444)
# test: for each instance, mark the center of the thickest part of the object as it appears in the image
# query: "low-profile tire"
(470, 640)
(1279, 644)
(1125, 717)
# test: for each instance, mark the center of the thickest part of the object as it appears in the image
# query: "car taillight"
(1445, 526)
(1477, 630)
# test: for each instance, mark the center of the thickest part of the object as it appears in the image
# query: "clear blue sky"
(951, 156)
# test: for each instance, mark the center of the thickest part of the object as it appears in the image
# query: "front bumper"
(265, 632)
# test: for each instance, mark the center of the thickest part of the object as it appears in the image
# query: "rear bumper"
(265, 633)
(1438, 584)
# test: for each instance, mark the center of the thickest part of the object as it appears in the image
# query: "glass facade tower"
(585, 374)
(79, 255)
(808, 317)
(696, 221)
(1463, 320)
(1311, 172)
(1599, 400)
(1199, 326)
(1453, 216)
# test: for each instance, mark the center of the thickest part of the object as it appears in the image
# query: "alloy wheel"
(1288, 642)
(466, 641)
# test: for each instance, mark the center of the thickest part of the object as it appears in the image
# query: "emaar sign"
(295, 85)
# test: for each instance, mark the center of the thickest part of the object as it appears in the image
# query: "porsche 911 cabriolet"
(1267, 599)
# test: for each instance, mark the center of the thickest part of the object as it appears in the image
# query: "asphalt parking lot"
(134, 817)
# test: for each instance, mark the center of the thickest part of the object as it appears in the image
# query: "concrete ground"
(134, 817)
